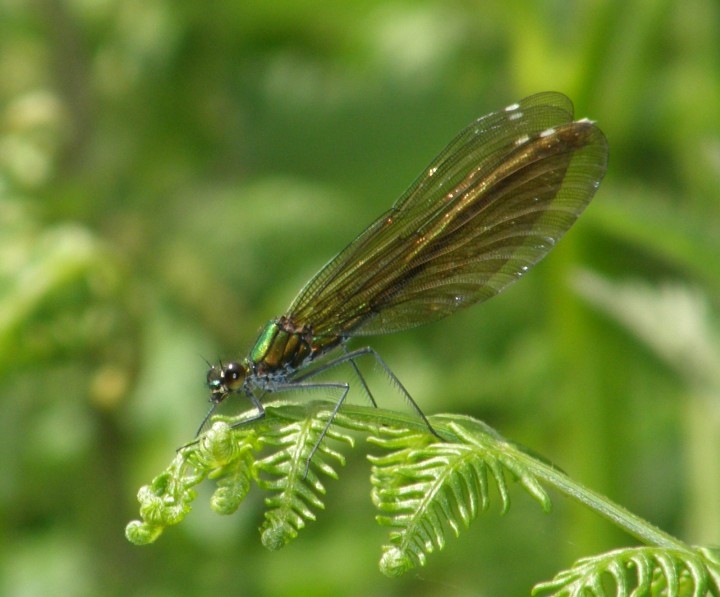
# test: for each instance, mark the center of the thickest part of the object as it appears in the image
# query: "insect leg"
(344, 387)
(367, 350)
(361, 378)
(257, 404)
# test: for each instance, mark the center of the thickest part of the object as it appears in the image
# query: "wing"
(489, 207)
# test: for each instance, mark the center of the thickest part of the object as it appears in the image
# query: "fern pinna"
(422, 488)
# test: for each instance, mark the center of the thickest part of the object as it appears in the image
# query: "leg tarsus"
(325, 430)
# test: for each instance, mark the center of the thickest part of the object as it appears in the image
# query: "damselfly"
(485, 210)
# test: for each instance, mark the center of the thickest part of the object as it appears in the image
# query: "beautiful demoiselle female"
(485, 210)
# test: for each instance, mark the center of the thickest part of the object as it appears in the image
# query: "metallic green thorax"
(282, 344)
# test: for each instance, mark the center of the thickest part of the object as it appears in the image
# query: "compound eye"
(233, 375)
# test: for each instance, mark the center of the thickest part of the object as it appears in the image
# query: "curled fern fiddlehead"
(221, 453)
(227, 454)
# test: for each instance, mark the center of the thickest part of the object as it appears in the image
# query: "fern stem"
(365, 418)
(631, 523)
(362, 417)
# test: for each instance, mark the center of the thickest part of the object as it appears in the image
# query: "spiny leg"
(360, 376)
(367, 350)
(205, 420)
(344, 387)
(259, 415)
(349, 356)
(257, 404)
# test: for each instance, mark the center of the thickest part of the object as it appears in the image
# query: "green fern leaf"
(638, 572)
(423, 488)
(293, 477)
(223, 453)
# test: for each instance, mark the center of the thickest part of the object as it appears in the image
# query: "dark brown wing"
(488, 208)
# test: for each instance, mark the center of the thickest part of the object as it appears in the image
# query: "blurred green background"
(171, 173)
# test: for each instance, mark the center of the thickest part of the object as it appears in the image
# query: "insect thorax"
(281, 345)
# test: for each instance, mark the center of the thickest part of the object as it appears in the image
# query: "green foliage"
(639, 571)
(228, 455)
(171, 174)
(424, 488)
(421, 487)
(219, 454)
(296, 482)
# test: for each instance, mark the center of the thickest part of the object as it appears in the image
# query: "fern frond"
(296, 480)
(222, 453)
(423, 488)
(637, 572)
